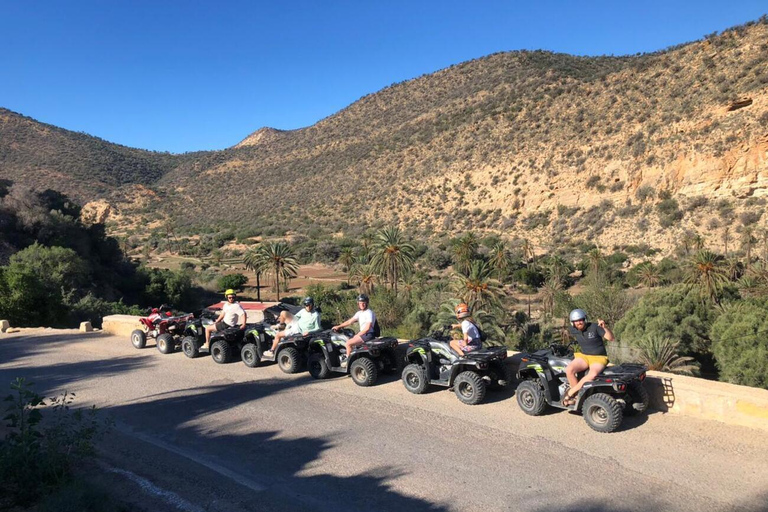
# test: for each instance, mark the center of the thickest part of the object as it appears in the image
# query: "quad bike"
(223, 344)
(161, 325)
(618, 391)
(327, 350)
(431, 360)
(291, 351)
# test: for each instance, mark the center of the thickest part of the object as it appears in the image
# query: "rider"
(305, 321)
(591, 338)
(472, 339)
(231, 314)
(369, 326)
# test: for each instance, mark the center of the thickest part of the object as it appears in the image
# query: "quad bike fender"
(550, 387)
(419, 356)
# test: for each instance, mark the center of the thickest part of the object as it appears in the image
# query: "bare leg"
(208, 330)
(455, 346)
(277, 339)
(352, 343)
(574, 367)
(594, 371)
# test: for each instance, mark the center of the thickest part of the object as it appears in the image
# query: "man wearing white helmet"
(593, 357)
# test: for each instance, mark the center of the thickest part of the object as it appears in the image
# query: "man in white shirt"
(231, 315)
(368, 326)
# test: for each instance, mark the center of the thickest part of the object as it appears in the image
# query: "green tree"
(705, 270)
(365, 276)
(477, 287)
(661, 354)
(274, 259)
(233, 281)
(740, 344)
(648, 274)
(464, 250)
(392, 255)
(500, 259)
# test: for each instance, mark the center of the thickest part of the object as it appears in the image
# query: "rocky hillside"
(621, 150)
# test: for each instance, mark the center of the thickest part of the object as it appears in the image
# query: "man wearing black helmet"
(305, 321)
(369, 326)
(593, 356)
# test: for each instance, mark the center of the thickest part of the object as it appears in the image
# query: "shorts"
(469, 347)
(291, 330)
(592, 359)
(222, 326)
(368, 336)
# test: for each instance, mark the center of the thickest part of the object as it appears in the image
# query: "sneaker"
(269, 353)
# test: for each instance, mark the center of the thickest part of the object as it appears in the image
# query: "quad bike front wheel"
(288, 360)
(317, 366)
(469, 388)
(602, 412)
(415, 378)
(364, 372)
(165, 343)
(530, 397)
(250, 355)
(189, 347)
(139, 338)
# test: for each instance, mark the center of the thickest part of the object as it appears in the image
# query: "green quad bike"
(290, 354)
(617, 392)
(431, 360)
(327, 350)
(221, 341)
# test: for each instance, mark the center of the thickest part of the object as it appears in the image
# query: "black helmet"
(362, 298)
(309, 301)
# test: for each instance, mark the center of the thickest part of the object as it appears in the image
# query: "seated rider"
(591, 338)
(305, 321)
(369, 326)
(231, 315)
(471, 339)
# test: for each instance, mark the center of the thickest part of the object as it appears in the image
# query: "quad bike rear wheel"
(602, 412)
(221, 352)
(139, 338)
(500, 376)
(637, 399)
(469, 388)
(364, 372)
(165, 343)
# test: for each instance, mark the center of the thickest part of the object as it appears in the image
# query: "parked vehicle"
(327, 351)
(161, 326)
(431, 360)
(616, 392)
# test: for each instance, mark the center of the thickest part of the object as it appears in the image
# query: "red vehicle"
(161, 325)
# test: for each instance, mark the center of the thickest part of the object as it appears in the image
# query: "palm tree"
(549, 294)
(500, 259)
(557, 269)
(276, 259)
(365, 277)
(747, 241)
(648, 274)
(726, 232)
(705, 270)
(596, 262)
(393, 256)
(733, 268)
(477, 287)
(347, 259)
(660, 354)
(464, 251)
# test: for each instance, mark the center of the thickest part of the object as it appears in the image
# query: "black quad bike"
(616, 392)
(431, 360)
(221, 342)
(327, 350)
(290, 354)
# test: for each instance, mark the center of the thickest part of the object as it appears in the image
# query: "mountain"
(617, 150)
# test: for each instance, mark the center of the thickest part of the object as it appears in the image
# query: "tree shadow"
(20, 346)
(267, 457)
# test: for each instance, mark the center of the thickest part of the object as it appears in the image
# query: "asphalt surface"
(193, 435)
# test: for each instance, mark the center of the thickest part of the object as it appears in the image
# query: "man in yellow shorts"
(593, 357)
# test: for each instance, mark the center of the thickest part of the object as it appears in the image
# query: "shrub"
(740, 346)
(644, 193)
(234, 281)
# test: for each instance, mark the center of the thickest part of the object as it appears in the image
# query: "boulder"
(4, 325)
(86, 327)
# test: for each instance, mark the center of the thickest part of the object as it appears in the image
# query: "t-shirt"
(232, 313)
(307, 321)
(591, 340)
(365, 318)
(472, 332)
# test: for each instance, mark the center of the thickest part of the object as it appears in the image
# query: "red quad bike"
(161, 325)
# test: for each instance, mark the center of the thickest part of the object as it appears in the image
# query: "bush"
(233, 281)
(529, 277)
(740, 346)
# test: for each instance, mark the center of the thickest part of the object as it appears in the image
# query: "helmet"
(229, 292)
(462, 311)
(308, 301)
(362, 298)
(577, 314)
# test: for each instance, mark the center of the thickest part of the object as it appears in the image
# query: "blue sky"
(188, 75)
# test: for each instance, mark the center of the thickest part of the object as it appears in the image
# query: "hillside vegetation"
(560, 147)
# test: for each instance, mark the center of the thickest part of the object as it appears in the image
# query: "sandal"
(568, 399)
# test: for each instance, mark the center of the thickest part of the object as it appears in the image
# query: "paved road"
(233, 438)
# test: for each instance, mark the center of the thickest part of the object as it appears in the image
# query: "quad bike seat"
(382, 342)
(487, 353)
